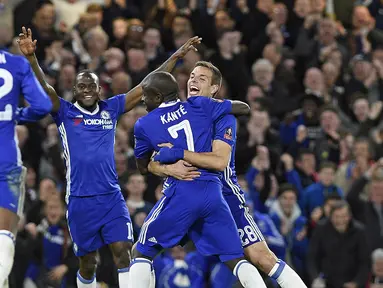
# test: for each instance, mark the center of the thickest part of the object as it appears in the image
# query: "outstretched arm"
(239, 108)
(133, 97)
(28, 48)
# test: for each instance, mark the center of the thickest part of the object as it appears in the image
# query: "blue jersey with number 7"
(187, 125)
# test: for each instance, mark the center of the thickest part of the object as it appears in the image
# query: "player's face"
(87, 90)
(151, 101)
(199, 83)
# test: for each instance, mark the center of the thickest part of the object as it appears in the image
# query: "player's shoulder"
(14, 62)
(224, 120)
(13, 58)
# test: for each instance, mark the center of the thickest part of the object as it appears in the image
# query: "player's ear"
(214, 89)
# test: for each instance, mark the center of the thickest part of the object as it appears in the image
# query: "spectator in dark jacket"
(369, 212)
(338, 254)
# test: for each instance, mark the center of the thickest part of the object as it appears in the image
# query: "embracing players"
(188, 208)
(97, 214)
(205, 80)
(16, 77)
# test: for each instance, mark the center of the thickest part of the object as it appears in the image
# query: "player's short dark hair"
(86, 73)
(327, 164)
(217, 76)
(161, 83)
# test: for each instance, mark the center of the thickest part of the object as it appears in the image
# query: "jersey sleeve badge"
(228, 134)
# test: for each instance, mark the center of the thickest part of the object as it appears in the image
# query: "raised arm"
(133, 97)
(239, 108)
(28, 48)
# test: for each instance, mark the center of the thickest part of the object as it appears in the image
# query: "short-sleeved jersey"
(88, 146)
(16, 78)
(225, 129)
(187, 125)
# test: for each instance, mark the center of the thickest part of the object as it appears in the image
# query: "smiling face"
(204, 80)
(87, 89)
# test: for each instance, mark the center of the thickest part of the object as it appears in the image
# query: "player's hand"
(182, 170)
(168, 155)
(26, 44)
(188, 46)
(58, 272)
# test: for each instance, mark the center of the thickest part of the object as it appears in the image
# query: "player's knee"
(121, 254)
(136, 253)
(232, 263)
(261, 256)
(88, 264)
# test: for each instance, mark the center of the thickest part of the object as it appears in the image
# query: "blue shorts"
(196, 208)
(247, 228)
(12, 191)
(99, 220)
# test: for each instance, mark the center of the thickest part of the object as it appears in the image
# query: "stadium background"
(312, 72)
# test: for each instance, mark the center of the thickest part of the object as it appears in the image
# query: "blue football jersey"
(187, 125)
(16, 78)
(88, 146)
(225, 129)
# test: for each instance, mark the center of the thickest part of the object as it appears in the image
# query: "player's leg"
(143, 265)
(117, 232)
(84, 217)
(255, 247)
(217, 234)
(86, 275)
(260, 255)
(164, 227)
(12, 193)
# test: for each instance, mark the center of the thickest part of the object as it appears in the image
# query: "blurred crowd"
(309, 156)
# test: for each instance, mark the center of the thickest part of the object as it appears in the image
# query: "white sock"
(84, 283)
(248, 275)
(123, 277)
(285, 276)
(7, 254)
(140, 273)
(152, 279)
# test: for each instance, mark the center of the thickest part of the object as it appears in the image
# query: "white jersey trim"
(86, 111)
(67, 160)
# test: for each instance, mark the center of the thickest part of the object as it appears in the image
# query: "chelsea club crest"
(105, 115)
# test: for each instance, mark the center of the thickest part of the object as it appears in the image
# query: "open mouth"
(193, 90)
(87, 97)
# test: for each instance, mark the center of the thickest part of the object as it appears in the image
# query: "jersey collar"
(168, 104)
(86, 111)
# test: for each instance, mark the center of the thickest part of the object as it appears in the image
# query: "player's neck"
(170, 99)
(88, 108)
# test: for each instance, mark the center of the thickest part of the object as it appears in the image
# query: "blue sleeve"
(117, 103)
(215, 108)
(142, 144)
(225, 129)
(40, 103)
(60, 115)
